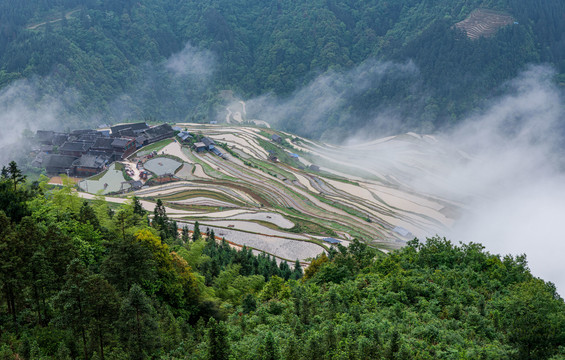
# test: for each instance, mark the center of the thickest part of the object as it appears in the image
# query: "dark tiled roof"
(83, 132)
(207, 141)
(103, 143)
(89, 137)
(44, 135)
(134, 126)
(90, 161)
(276, 138)
(60, 138)
(58, 161)
(184, 135)
(127, 132)
(75, 146)
(120, 142)
(136, 184)
(140, 140)
(159, 130)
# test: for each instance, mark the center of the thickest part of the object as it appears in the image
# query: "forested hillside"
(86, 280)
(113, 53)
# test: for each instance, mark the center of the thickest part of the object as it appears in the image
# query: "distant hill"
(114, 53)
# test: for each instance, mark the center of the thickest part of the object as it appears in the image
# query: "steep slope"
(113, 53)
(285, 196)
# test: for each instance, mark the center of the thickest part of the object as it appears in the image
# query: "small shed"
(184, 136)
(331, 240)
(200, 147)
(208, 142)
(216, 151)
(276, 138)
(314, 167)
(293, 155)
(136, 184)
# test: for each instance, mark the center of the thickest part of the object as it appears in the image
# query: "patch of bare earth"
(483, 22)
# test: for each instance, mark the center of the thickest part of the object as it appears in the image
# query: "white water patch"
(282, 247)
(252, 227)
(175, 149)
(203, 201)
(112, 181)
(271, 217)
(199, 172)
(162, 166)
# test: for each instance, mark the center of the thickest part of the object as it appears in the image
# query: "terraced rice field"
(483, 22)
(286, 209)
(110, 182)
(162, 166)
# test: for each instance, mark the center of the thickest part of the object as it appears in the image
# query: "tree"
(217, 341)
(71, 301)
(297, 271)
(12, 263)
(137, 207)
(14, 174)
(269, 349)
(128, 263)
(138, 325)
(168, 229)
(87, 214)
(185, 235)
(102, 308)
(394, 345)
(534, 318)
(196, 233)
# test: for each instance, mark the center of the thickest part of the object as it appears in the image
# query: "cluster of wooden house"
(207, 144)
(88, 152)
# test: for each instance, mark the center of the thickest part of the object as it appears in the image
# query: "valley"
(262, 188)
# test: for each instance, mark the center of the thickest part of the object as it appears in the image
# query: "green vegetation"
(82, 281)
(154, 147)
(106, 49)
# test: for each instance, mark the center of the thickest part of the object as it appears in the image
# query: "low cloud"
(325, 103)
(514, 176)
(176, 84)
(29, 105)
(191, 61)
(504, 166)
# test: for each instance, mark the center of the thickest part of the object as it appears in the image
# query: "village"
(86, 153)
(252, 185)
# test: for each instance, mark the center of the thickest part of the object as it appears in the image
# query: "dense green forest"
(85, 280)
(113, 53)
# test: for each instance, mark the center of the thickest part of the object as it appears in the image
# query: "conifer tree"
(14, 174)
(196, 233)
(185, 236)
(137, 207)
(218, 345)
(138, 325)
(297, 272)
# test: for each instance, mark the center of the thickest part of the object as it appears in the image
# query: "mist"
(45, 103)
(26, 105)
(324, 107)
(191, 61)
(514, 179)
(502, 165)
